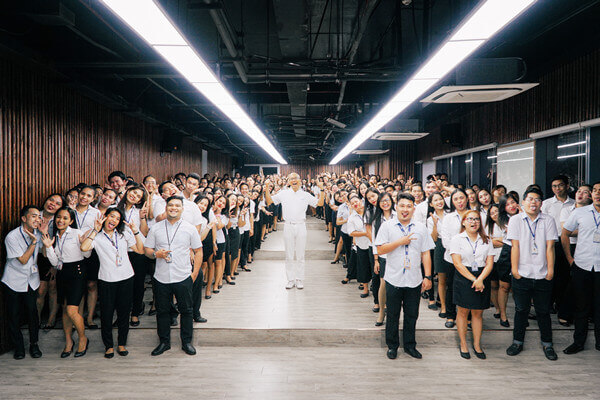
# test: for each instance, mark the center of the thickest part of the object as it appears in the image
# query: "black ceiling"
(292, 63)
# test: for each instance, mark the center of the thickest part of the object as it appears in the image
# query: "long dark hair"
(430, 208)
(62, 199)
(490, 222)
(226, 207)
(201, 197)
(140, 203)
(379, 212)
(72, 215)
(457, 190)
(370, 209)
(503, 216)
(121, 226)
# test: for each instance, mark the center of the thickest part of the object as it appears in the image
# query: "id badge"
(474, 266)
(59, 265)
(406, 263)
(34, 269)
(168, 259)
(597, 236)
(534, 250)
(119, 260)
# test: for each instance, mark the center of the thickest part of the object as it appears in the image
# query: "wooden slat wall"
(53, 138)
(566, 95)
(313, 169)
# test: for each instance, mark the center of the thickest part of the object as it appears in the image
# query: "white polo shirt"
(521, 228)
(451, 225)
(356, 224)
(403, 265)
(67, 248)
(109, 250)
(19, 276)
(191, 212)
(383, 219)
(554, 207)
(294, 204)
(179, 237)
(473, 255)
(86, 219)
(420, 214)
(587, 221)
(220, 234)
(343, 212)
(498, 233)
(564, 216)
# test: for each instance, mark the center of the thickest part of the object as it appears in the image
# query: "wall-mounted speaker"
(450, 134)
(171, 141)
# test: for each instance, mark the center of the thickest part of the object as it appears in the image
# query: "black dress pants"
(244, 247)
(140, 264)
(540, 291)
(163, 294)
(399, 298)
(116, 296)
(197, 294)
(586, 285)
(562, 275)
(450, 306)
(14, 301)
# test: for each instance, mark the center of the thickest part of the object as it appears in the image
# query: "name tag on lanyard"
(597, 236)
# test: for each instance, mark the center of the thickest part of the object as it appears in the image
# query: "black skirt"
(439, 265)
(70, 283)
(363, 266)
(207, 247)
(502, 266)
(44, 267)
(466, 297)
(92, 266)
(382, 262)
(234, 242)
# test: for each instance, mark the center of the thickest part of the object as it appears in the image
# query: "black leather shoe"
(123, 353)
(152, 312)
(392, 354)
(208, 297)
(109, 355)
(161, 348)
(497, 315)
(479, 355)
(564, 323)
(514, 349)
(236, 273)
(363, 295)
(19, 355)
(414, 353)
(442, 315)
(449, 324)
(134, 323)
(173, 321)
(200, 319)
(433, 307)
(34, 351)
(550, 353)
(375, 309)
(230, 282)
(188, 349)
(379, 323)
(466, 355)
(82, 353)
(344, 281)
(572, 349)
(65, 354)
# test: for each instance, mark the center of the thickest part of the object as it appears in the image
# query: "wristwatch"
(428, 277)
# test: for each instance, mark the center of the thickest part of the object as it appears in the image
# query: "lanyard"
(61, 247)
(535, 224)
(595, 220)
(80, 224)
(130, 214)
(115, 243)
(169, 241)
(23, 236)
(406, 260)
(473, 248)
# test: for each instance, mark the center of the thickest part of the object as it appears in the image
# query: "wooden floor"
(263, 341)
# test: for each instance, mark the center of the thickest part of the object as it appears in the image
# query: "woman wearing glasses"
(473, 257)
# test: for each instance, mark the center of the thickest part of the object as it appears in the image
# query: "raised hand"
(33, 237)
(47, 240)
(144, 211)
(406, 240)
(98, 223)
(132, 226)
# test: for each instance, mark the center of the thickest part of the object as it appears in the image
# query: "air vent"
(399, 135)
(477, 93)
(369, 152)
(371, 147)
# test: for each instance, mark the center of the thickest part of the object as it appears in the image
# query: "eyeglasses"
(472, 219)
(534, 200)
(386, 201)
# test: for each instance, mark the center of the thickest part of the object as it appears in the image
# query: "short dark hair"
(563, 178)
(87, 187)
(194, 176)
(174, 198)
(533, 190)
(119, 174)
(161, 187)
(405, 196)
(25, 210)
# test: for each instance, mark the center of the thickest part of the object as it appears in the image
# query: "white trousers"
(294, 236)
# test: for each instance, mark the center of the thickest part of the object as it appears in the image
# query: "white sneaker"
(290, 285)
(299, 284)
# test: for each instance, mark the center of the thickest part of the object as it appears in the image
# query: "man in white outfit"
(294, 202)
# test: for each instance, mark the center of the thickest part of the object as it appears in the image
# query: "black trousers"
(450, 306)
(540, 291)
(140, 264)
(566, 309)
(244, 247)
(197, 294)
(351, 272)
(163, 294)
(586, 285)
(398, 298)
(14, 301)
(347, 246)
(116, 296)
(562, 275)
(375, 280)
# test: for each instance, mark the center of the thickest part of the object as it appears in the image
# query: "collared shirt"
(587, 221)
(521, 228)
(383, 219)
(19, 276)
(133, 215)
(294, 204)
(450, 228)
(250, 211)
(439, 224)
(158, 203)
(224, 220)
(464, 247)
(343, 212)
(67, 248)
(554, 207)
(564, 216)
(498, 233)
(179, 237)
(191, 212)
(356, 224)
(483, 214)
(420, 214)
(403, 265)
(112, 252)
(86, 219)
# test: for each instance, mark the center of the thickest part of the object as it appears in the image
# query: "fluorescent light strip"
(483, 23)
(149, 21)
(562, 146)
(492, 157)
(515, 159)
(571, 156)
(515, 150)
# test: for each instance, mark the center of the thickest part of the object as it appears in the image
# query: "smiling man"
(294, 201)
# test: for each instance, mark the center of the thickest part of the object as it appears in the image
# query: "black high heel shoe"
(335, 261)
(82, 353)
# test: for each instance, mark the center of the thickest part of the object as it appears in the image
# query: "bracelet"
(136, 233)
(428, 277)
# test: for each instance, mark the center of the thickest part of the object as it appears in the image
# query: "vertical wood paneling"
(53, 138)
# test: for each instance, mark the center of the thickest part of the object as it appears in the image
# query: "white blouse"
(112, 252)
(67, 248)
(473, 255)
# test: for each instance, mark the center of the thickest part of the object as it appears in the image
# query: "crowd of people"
(462, 249)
